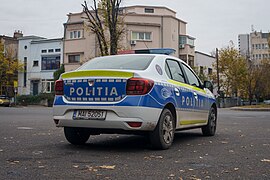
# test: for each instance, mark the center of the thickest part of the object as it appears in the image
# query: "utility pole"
(218, 91)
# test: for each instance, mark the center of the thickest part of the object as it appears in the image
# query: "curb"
(249, 109)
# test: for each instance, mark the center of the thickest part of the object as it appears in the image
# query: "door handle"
(177, 92)
(195, 95)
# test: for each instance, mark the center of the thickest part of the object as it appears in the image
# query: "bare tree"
(103, 16)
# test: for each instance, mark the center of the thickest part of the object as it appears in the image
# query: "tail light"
(59, 87)
(139, 86)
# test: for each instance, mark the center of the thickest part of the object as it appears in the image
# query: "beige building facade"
(254, 46)
(145, 27)
(259, 46)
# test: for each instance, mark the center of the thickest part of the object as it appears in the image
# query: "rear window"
(140, 62)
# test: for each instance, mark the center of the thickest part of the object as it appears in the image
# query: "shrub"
(34, 100)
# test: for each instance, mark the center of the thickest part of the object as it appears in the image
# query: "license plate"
(89, 114)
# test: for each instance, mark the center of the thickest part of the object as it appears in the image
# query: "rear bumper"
(117, 117)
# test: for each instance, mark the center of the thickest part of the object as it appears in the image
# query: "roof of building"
(198, 52)
(7, 37)
(30, 37)
(144, 6)
(46, 40)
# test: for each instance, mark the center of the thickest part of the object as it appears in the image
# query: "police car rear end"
(118, 94)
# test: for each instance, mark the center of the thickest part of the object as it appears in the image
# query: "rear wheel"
(76, 136)
(210, 128)
(163, 135)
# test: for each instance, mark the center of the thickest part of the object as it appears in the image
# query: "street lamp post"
(218, 90)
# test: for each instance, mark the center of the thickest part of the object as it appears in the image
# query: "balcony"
(186, 40)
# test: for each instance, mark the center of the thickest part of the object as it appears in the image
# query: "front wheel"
(163, 135)
(210, 128)
(76, 136)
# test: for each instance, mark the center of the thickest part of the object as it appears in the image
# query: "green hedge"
(34, 100)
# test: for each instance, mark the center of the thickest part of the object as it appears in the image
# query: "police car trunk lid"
(95, 85)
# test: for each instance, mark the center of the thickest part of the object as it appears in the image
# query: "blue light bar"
(166, 51)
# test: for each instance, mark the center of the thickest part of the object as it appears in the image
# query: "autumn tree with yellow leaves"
(9, 67)
(232, 71)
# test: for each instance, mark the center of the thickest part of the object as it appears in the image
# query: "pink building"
(145, 27)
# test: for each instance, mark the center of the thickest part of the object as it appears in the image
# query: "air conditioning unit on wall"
(133, 42)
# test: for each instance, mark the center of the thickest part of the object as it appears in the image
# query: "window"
(50, 62)
(263, 46)
(75, 35)
(47, 86)
(44, 51)
(25, 72)
(73, 58)
(50, 50)
(35, 63)
(201, 69)
(149, 10)
(25, 47)
(210, 71)
(182, 40)
(191, 62)
(138, 62)
(174, 71)
(71, 35)
(145, 36)
(57, 50)
(192, 78)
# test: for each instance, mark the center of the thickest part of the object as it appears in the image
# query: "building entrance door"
(35, 88)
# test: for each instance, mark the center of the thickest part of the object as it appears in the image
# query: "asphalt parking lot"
(32, 147)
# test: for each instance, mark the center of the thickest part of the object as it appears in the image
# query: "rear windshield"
(140, 62)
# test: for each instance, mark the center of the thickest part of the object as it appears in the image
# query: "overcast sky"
(212, 22)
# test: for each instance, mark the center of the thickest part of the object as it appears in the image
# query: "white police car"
(148, 94)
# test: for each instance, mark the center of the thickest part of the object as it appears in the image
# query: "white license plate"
(89, 114)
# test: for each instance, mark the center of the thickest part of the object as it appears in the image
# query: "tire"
(76, 136)
(210, 128)
(163, 135)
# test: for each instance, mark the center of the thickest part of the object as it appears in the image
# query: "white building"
(204, 63)
(244, 44)
(41, 58)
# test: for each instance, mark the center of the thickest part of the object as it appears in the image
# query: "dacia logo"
(91, 82)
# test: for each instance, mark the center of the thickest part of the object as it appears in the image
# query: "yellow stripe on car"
(186, 86)
(97, 73)
(189, 122)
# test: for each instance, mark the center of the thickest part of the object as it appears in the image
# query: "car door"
(200, 105)
(183, 93)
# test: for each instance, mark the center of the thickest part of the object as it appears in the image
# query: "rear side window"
(174, 70)
(140, 62)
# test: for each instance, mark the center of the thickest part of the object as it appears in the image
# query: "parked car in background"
(150, 94)
(4, 101)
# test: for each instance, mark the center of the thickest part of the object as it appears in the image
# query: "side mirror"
(208, 85)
